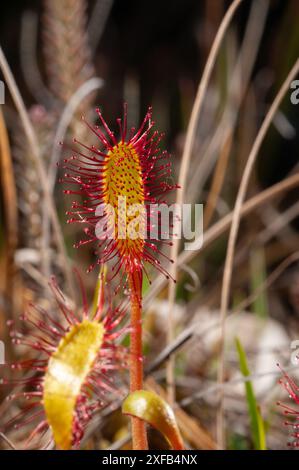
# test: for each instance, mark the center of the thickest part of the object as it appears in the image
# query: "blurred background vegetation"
(153, 53)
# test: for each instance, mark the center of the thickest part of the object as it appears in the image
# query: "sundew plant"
(149, 225)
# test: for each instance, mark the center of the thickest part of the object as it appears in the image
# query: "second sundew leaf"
(256, 420)
(67, 370)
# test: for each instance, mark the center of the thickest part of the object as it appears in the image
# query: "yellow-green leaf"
(151, 408)
(67, 370)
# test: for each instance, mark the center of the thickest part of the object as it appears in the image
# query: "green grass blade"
(256, 420)
(258, 277)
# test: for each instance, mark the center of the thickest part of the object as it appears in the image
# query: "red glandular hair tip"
(293, 392)
(48, 338)
(131, 167)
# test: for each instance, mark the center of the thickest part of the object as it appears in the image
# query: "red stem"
(139, 436)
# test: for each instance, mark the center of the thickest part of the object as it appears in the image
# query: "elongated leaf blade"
(257, 424)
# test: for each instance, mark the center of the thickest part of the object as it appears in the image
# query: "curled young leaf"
(149, 407)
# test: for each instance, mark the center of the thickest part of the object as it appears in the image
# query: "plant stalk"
(139, 436)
